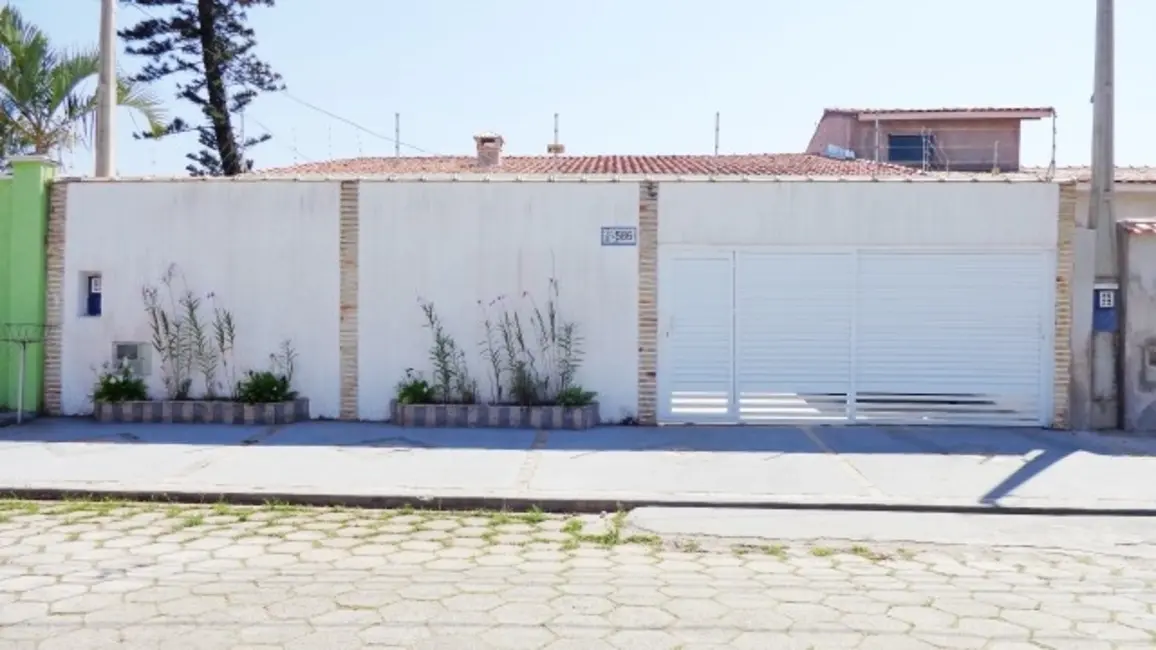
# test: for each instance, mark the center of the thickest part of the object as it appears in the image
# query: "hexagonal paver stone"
(635, 618)
(1114, 632)
(395, 635)
(300, 578)
(991, 628)
(85, 604)
(922, 617)
(519, 638)
(14, 613)
(523, 614)
(472, 602)
(83, 639)
(894, 642)
(411, 611)
(579, 644)
(590, 605)
(1037, 621)
(643, 640)
(300, 608)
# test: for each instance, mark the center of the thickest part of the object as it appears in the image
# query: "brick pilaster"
(647, 302)
(1065, 266)
(349, 212)
(54, 298)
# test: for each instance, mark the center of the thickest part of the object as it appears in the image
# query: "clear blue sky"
(646, 76)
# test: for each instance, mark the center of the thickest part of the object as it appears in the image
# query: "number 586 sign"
(619, 236)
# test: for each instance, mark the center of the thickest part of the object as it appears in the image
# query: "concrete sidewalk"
(925, 468)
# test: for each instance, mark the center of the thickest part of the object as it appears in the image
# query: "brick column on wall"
(54, 298)
(647, 302)
(1065, 266)
(349, 212)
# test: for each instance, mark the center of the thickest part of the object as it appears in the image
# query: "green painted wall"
(23, 240)
(5, 280)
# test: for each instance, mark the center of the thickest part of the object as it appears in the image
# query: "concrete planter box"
(202, 412)
(494, 416)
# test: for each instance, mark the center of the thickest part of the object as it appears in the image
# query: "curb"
(556, 504)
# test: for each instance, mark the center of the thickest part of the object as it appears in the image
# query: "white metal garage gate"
(802, 334)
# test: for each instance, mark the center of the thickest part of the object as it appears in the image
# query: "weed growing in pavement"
(688, 546)
(190, 521)
(21, 507)
(822, 551)
(501, 518)
(868, 554)
(568, 533)
(776, 550)
(533, 516)
(71, 507)
(643, 540)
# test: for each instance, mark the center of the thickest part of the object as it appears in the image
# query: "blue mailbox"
(1104, 309)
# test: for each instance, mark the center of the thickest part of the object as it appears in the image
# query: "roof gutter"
(1035, 114)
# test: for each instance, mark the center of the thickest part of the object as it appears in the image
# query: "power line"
(319, 109)
(281, 141)
(355, 124)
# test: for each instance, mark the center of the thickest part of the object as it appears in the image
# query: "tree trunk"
(218, 112)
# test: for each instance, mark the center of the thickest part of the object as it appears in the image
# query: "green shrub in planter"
(119, 385)
(265, 387)
(414, 389)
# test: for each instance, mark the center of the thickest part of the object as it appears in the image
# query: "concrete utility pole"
(717, 118)
(106, 91)
(1103, 111)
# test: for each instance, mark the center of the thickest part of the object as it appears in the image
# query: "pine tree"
(208, 46)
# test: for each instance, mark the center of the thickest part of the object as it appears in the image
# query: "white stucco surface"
(859, 214)
(462, 245)
(267, 251)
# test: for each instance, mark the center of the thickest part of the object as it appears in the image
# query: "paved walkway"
(78, 575)
(883, 466)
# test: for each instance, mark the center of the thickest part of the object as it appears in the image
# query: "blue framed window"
(908, 149)
(92, 295)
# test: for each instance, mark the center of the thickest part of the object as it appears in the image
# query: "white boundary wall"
(461, 245)
(268, 251)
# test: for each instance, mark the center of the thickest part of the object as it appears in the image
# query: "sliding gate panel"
(793, 335)
(953, 338)
(696, 327)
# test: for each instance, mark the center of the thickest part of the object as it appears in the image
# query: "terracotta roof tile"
(1084, 174)
(1139, 226)
(791, 164)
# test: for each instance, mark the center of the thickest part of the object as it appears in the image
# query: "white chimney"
(489, 149)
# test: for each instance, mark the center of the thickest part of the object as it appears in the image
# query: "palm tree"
(42, 107)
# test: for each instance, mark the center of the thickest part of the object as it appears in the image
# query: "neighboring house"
(940, 139)
(1134, 196)
(1095, 337)
(491, 159)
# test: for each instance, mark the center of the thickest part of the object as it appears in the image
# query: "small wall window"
(93, 304)
(136, 355)
(909, 149)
